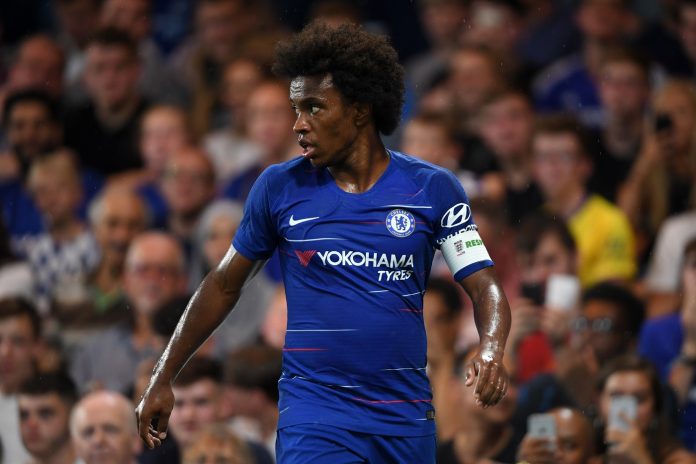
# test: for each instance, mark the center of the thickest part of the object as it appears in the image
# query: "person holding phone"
(636, 430)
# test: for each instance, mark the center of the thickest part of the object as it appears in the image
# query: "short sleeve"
(455, 233)
(257, 235)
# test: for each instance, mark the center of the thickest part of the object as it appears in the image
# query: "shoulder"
(662, 326)
(602, 209)
(557, 72)
(421, 171)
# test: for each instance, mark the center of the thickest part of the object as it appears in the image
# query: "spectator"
(269, 126)
(561, 167)
(20, 338)
(669, 342)
(38, 64)
(662, 178)
(505, 126)
(624, 91)
(134, 17)
(251, 391)
(15, 275)
(649, 436)
(103, 131)
(214, 234)
(154, 274)
(574, 443)
(45, 403)
(66, 253)
(229, 147)
(570, 84)
(32, 128)
(102, 426)
(216, 443)
(687, 31)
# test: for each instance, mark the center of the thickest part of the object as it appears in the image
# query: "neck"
(516, 171)
(568, 202)
(107, 277)
(364, 164)
(65, 455)
(117, 115)
(63, 231)
(183, 225)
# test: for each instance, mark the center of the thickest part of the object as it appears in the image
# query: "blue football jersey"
(355, 267)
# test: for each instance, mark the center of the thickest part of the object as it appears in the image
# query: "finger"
(143, 428)
(499, 391)
(491, 388)
(162, 423)
(482, 381)
(470, 374)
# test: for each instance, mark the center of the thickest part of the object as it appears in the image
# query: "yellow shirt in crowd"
(604, 240)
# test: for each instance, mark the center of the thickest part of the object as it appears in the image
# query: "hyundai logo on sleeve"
(456, 215)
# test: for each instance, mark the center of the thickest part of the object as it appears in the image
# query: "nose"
(301, 126)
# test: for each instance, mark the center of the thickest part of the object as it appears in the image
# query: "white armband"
(464, 249)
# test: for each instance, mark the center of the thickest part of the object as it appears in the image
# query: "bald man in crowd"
(103, 429)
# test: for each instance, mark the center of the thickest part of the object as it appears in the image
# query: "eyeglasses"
(600, 325)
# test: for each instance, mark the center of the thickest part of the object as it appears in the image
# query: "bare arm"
(492, 317)
(208, 307)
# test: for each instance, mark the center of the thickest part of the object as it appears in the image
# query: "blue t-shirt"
(355, 267)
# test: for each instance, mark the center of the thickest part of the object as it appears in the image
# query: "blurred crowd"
(132, 131)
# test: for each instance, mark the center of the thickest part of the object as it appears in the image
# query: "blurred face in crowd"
(603, 20)
(195, 406)
(558, 165)
(154, 272)
(120, 218)
(103, 429)
(238, 80)
(218, 239)
(687, 29)
(218, 447)
(492, 25)
(430, 142)
(443, 20)
(56, 190)
(164, 131)
(633, 383)
(678, 101)
(131, 16)
(624, 89)
(548, 258)
(473, 77)
(270, 120)
(30, 130)
(604, 329)
(44, 424)
(506, 126)
(18, 350)
(220, 25)
(78, 18)
(111, 75)
(39, 64)
(574, 435)
(188, 183)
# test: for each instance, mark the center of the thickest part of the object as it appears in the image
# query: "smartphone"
(562, 292)
(533, 292)
(663, 122)
(542, 426)
(622, 409)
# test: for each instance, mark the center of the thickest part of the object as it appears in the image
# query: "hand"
(536, 450)
(628, 446)
(486, 367)
(556, 325)
(157, 402)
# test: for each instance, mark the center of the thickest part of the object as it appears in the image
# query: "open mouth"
(307, 148)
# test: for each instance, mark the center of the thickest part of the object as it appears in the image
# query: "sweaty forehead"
(310, 86)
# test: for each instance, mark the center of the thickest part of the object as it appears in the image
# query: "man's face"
(44, 424)
(443, 21)
(153, 274)
(603, 20)
(122, 218)
(30, 131)
(188, 183)
(163, 133)
(220, 26)
(102, 434)
(18, 347)
(548, 258)
(633, 383)
(238, 80)
(325, 123)
(131, 16)
(574, 440)
(604, 329)
(557, 164)
(623, 89)
(111, 75)
(56, 196)
(39, 64)
(429, 142)
(506, 126)
(473, 77)
(687, 29)
(269, 120)
(195, 406)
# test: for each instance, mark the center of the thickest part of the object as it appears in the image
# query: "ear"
(363, 114)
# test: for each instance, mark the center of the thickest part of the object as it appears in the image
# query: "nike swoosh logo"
(294, 222)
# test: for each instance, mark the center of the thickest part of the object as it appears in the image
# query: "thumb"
(470, 374)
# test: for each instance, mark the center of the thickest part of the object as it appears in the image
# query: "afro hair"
(363, 67)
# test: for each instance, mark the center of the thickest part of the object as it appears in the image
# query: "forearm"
(491, 310)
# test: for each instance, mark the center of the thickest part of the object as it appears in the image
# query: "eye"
(313, 110)
(294, 108)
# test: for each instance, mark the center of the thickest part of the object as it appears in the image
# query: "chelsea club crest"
(400, 223)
